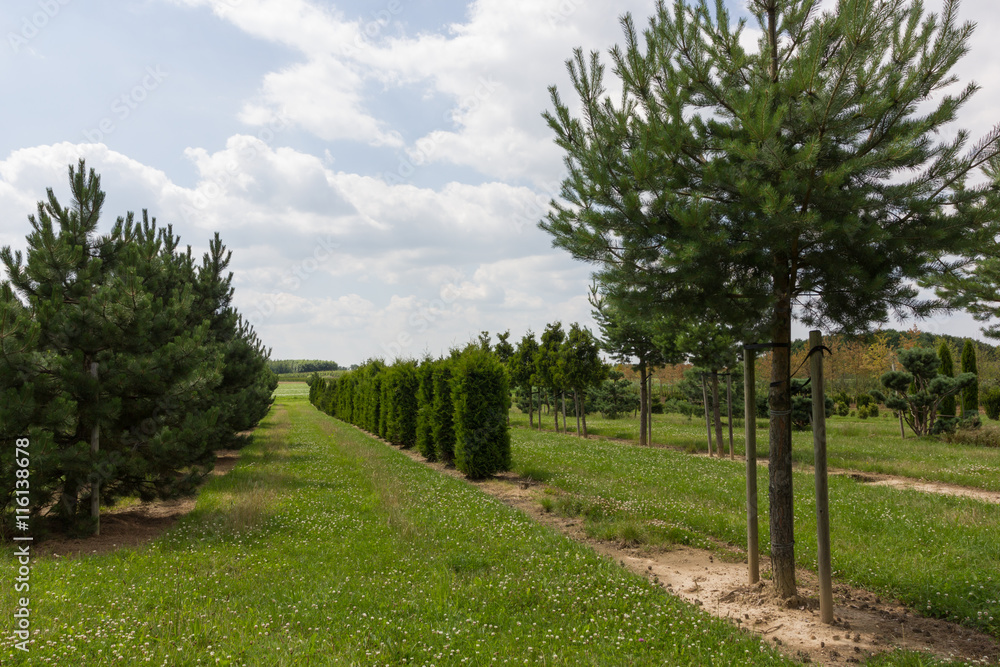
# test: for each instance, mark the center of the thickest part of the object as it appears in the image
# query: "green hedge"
(453, 409)
(481, 394)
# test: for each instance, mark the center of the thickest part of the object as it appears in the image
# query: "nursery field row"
(378, 560)
(865, 445)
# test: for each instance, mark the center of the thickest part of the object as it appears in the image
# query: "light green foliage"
(920, 407)
(481, 396)
(991, 402)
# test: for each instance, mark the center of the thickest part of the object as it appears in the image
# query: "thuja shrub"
(442, 415)
(400, 388)
(481, 397)
(425, 409)
(991, 402)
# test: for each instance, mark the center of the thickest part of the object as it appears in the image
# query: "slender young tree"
(947, 407)
(582, 368)
(970, 394)
(522, 371)
(810, 175)
(548, 372)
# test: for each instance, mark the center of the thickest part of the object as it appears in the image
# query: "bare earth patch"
(134, 525)
(865, 624)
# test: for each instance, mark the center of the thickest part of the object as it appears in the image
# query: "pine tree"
(970, 395)
(582, 368)
(791, 179)
(548, 373)
(521, 367)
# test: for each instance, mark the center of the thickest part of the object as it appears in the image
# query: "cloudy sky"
(378, 168)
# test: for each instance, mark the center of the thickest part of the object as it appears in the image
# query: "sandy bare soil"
(134, 525)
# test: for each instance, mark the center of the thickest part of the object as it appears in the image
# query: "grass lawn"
(940, 554)
(869, 445)
(324, 546)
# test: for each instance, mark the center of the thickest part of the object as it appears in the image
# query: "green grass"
(325, 547)
(939, 554)
(868, 445)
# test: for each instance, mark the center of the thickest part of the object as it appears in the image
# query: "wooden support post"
(750, 424)
(95, 484)
(708, 420)
(822, 488)
(729, 406)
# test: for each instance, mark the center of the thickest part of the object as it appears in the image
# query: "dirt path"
(133, 525)
(865, 623)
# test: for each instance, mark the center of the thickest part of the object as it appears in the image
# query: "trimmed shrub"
(442, 422)
(425, 409)
(843, 409)
(481, 397)
(863, 399)
(402, 429)
(991, 402)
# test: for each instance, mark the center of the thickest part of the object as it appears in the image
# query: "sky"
(377, 168)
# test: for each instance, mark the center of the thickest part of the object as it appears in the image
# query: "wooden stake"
(95, 485)
(822, 487)
(729, 406)
(750, 424)
(708, 420)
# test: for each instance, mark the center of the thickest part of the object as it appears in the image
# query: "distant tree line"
(123, 362)
(284, 366)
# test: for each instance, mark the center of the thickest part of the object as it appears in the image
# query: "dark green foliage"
(842, 408)
(443, 424)
(970, 394)
(920, 407)
(425, 409)
(126, 337)
(615, 397)
(802, 405)
(481, 395)
(286, 366)
(399, 389)
(947, 407)
(991, 402)
(862, 400)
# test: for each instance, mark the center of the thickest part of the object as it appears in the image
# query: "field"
(866, 445)
(324, 546)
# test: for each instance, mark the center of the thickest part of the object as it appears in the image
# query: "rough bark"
(780, 455)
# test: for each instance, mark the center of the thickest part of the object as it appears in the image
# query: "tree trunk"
(555, 410)
(576, 406)
(643, 407)
(531, 407)
(780, 454)
(715, 413)
(584, 416)
(564, 410)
